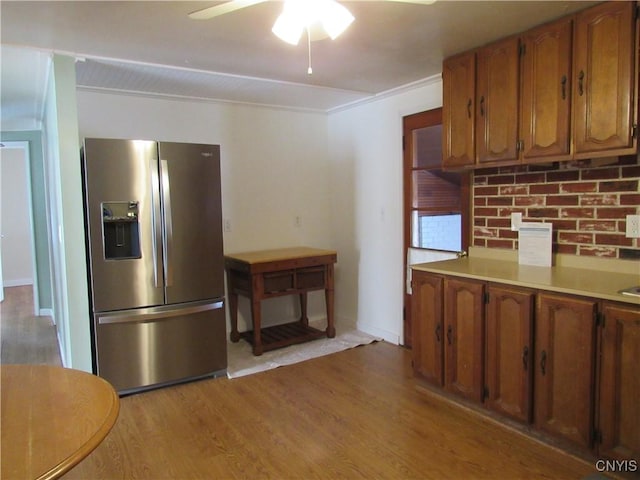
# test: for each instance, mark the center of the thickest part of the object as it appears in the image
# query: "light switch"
(516, 221)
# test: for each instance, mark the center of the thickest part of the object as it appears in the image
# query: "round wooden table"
(52, 418)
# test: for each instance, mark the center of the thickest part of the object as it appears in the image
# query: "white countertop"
(576, 281)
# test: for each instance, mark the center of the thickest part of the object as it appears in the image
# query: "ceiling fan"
(233, 5)
(318, 18)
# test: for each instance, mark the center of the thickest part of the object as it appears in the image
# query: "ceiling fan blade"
(233, 5)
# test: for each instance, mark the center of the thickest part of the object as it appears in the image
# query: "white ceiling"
(153, 47)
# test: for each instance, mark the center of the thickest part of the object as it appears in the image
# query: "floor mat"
(241, 360)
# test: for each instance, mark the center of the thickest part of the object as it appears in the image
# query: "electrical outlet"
(227, 225)
(633, 226)
(297, 221)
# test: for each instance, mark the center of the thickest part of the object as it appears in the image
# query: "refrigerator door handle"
(146, 315)
(156, 227)
(168, 224)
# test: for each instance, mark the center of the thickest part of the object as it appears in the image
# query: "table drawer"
(279, 281)
(312, 277)
(239, 281)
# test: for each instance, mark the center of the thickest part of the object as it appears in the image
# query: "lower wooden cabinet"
(464, 345)
(618, 420)
(509, 351)
(565, 367)
(428, 332)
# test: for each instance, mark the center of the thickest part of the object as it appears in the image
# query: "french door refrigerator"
(155, 261)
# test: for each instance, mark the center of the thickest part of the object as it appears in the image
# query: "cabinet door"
(509, 352)
(546, 92)
(497, 102)
(464, 334)
(619, 398)
(564, 371)
(427, 328)
(604, 82)
(458, 84)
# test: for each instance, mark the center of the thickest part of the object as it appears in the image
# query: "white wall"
(273, 162)
(71, 309)
(365, 152)
(15, 225)
(342, 173)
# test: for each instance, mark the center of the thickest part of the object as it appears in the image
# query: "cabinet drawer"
(313, 277)
(278, 281)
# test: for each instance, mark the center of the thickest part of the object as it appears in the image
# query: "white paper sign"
(534, 244)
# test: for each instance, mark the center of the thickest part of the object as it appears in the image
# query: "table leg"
(303, 309)
(233, 313)
(328, 297)
(256, 316)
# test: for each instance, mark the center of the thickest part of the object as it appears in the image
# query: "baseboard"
(46, 312)
(63, 357)
(386, 335)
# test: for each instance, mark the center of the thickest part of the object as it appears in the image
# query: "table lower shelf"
(284, 335)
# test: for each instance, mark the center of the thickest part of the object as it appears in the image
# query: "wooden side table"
(274, 273)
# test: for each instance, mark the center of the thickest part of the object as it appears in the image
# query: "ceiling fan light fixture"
(287, 28)
(335, 19)
(300, 15)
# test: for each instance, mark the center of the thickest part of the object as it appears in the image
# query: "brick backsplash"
(587, 202)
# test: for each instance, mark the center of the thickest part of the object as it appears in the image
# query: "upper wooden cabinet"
(480, 106)
(497, 102)
(565, 90)
(545, 132)
(605, 81)
(458, 110)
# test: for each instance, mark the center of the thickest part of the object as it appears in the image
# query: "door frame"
(24, 145)
(410, 123)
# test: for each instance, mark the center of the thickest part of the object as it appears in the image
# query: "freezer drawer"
(151, 347)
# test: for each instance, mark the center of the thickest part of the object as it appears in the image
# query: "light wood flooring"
(354, 414)
(26, 338)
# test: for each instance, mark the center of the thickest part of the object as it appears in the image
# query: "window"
(437, 232)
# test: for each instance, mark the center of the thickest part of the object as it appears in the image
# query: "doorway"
(17, 245)
(436, 202)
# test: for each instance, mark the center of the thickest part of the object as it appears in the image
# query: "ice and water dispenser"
(121, 230)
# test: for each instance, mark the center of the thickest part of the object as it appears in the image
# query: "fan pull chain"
(309, 70)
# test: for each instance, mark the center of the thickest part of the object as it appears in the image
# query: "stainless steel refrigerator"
(155, 261)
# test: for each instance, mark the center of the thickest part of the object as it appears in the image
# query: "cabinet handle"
(469, 108)
(543, 362)
(449, 333)
(580, 83)
(563, 82)
(525, 357)
(482, 106)
(438, 327)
